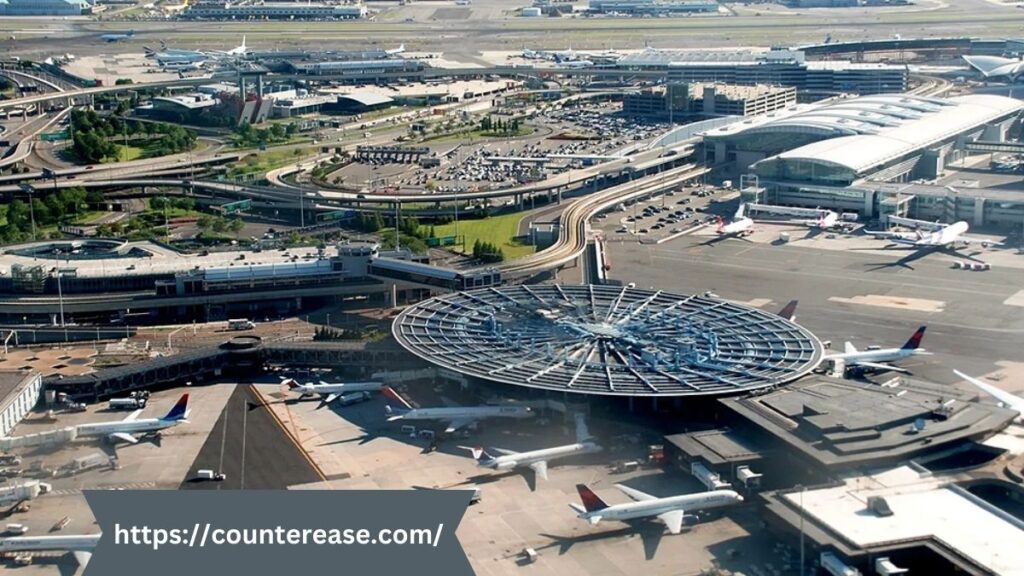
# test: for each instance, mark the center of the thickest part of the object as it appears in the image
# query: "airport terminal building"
(852, 154)
(812, 79)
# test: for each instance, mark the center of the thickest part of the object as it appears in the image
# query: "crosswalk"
(128, 486)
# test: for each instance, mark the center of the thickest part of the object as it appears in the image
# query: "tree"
(236, 225)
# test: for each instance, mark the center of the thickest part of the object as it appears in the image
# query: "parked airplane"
(1008, 400)
(574, 64)
(944, 235)
(671, 510)
(81, 547)
(330, 392)
(395, 51)
(118, 36)
(810, 217)
(537, 460)
(182, 66)
(175, 55)
(739, 226)
(241, 50)
(879, 358)
(124, 430)
(457, 416)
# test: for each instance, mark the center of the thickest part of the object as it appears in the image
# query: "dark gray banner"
(379, 532)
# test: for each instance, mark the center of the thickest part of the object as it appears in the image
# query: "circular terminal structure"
(608, 340)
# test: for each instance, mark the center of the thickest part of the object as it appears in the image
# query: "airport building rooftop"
(841, 424)
(921, 521)
(608, 340)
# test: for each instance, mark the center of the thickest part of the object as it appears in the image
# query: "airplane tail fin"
(289, 382)
(915, 340)
(180, 409)
(591, 502)
(789, 312)
(720, 222)
(479, 453)
(394, 404)
(243, 42)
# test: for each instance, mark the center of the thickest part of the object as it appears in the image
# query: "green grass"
(88, 217)
(498, 230)
(125, 154)
(265, 161)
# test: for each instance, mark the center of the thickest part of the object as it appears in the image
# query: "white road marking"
(915, 304)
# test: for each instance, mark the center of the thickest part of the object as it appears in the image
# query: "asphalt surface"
(249, 445)
(971, 327)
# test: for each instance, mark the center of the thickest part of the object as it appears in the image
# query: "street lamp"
(30, 190)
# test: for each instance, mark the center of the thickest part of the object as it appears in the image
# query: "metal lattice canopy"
(610, 340)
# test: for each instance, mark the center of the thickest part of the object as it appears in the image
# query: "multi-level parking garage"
(608, 340)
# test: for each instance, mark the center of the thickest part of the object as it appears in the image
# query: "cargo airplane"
(125, 430)
(1011, 401)
(330, 392)
(396, 408)
(537, 460)
(81, 547)
(671, 511)
(880, 358)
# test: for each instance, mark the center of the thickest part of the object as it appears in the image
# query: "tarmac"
(356, 449)
(156, 462)
(849, 289)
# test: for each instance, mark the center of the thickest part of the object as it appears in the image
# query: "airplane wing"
(458, 423)
(674, 520)
(331, 398)
(849, 348)
(879, 366)
(540, 469)
(133, 416)
(504, 452)
(124, 437)
(82, 557)
(1003, 396)
(635, 494)
(976, 240)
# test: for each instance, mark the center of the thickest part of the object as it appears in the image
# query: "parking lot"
(589, 129)
(665, 215)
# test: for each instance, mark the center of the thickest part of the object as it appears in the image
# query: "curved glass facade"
(804, 170)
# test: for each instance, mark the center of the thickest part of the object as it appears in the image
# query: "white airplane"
(739, 226)
(125, 430)
(671, 510)
(537, 460)
(330, 392)
(241, 50)
(1011, 401)
(456, 417)
(118, 36)
(879, 358)
(81, 547)
(395, 51)
(182, 66)
(574, 64)
(810, 217)
(938, 235)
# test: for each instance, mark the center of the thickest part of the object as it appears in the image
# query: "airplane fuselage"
(510, 461)
(740, 226)
(17, 543)
(649, 508)
(458, 413)
(121, 427)
(341, 388)
(882, 355)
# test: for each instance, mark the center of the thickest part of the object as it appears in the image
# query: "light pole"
(802, 561)
(30, 190)
(60, 291)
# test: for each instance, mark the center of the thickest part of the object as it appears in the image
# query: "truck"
(127, 403)
(240, 324)
(207, 474)
(353, 398)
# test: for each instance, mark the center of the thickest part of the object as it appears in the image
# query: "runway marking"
(915, 304)
(1015, 300)
(756, 302)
